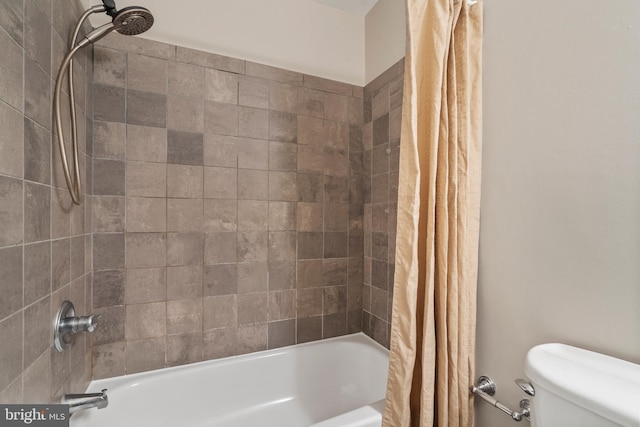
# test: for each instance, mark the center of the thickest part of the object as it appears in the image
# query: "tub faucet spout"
(79, 402)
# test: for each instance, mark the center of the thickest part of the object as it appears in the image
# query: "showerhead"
(129, 21)
(132, 20)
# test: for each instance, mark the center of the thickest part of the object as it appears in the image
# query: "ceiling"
(360, 7)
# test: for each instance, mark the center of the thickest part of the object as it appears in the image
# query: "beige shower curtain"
(434, 306)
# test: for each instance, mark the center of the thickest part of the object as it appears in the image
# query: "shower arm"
(74, 185)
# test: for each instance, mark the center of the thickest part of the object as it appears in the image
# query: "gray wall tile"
(11, 273)
(146, 74)
(11, 77)
(37, 212)
(145, 109)
(109, 66)
(210, 60)
(253, 92)
(221, 118)
(186, 148)
(37, 41)
(145, 285)
(11, 143)
(109, 104)
(37, 271)
(185, 80)
(185, 114)
(10, 355)
(37, 93)
(12, 18)
(11, 211)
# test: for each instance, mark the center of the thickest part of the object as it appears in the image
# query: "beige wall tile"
(11, 266)
(11, 211)
(185, 248)
(253, 277)
(220, 215)
(283, 97)
(220, 312)
(146, 73)
(184, 316)
(253, 184)
(109, 140)
(145, 214)
(220, 247)
(11, 141)
(11, 86)
(185, 181)
(146, 179)
(37, 271)
(220, 279)
(252, 246)
(108, 360)
(221, 86)
(108, 214)
(185, 79)
(146, 250)
(253, 92)
(144, 285)
(11, 355)
(282, 333)
(282, 216)
(36, 330)
(253, 153)
(184, 282)
(281, 305)
(252, 338)
(310, 130)
(145, 355)
(252, 308)
(221, 118)
(184, 215)
(282, 275)
(185, 114)
(108, 288)
(184, 348)
(146, 109)
(309, 302)
(220, 183)
(146, 144)
(145, 320)
(109, 66)
(253, 215)
(221, 342)
(220, 150)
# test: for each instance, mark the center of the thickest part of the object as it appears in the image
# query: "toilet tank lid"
(605, 385)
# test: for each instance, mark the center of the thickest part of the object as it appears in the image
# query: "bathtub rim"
(357, 337)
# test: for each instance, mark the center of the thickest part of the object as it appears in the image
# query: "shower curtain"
(432, 354)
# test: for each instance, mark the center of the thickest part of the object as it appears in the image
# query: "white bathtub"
(335, 382)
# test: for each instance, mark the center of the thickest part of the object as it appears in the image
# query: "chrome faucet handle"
(81, 324)
(526, 386)
(67, 324)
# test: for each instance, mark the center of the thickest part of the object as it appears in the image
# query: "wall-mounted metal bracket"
(487, 388)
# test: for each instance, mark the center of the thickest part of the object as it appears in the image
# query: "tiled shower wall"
(382, 117)
(228, 206)
(45, 245)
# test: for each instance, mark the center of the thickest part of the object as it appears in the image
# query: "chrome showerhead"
(132, 20)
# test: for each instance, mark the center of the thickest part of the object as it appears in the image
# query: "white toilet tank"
(580, 388)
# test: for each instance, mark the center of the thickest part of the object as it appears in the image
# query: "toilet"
(580, 388)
